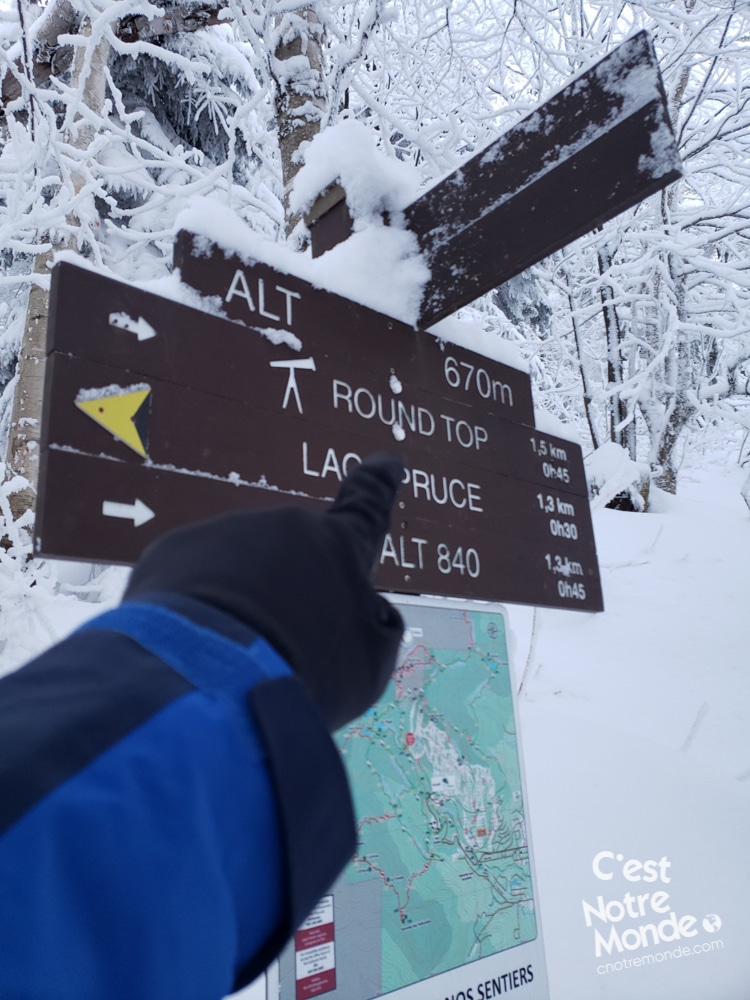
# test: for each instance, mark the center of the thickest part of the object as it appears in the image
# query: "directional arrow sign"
(142, 329)
(122, 411)
(490, 506)
(136, 512)
(598, 147)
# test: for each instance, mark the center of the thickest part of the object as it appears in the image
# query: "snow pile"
(634, 726)
(41, 601)
(545, 420)
(475, 337)
(347, 153)
(379, 266)
(611, 471)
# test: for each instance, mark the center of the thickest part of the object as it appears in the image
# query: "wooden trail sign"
(157, 414)
(108, 321)
(598, 147)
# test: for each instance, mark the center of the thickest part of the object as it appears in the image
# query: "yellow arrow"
(119, 413)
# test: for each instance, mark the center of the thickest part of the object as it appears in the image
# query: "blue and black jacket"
(171, 808)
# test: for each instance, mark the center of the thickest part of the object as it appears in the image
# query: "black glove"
(300, 579)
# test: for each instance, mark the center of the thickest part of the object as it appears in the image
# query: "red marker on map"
(410, 739)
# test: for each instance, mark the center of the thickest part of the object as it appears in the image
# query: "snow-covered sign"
(491, 508)
(598, 147)
(205, 415)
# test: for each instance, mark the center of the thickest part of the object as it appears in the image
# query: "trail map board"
(440, 899)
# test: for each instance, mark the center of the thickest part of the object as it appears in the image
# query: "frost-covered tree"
(652, 311)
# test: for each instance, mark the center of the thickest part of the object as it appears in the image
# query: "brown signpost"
(596, 148)
(158, 414)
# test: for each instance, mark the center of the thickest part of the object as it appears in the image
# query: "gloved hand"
(300, 579)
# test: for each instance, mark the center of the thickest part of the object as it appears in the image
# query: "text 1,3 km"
(470, 378)
(567, 568)
(563, 565)
(554, 505)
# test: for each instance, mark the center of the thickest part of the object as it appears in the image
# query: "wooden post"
(23, 440)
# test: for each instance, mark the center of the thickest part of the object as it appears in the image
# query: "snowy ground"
(635, 733)
(636, 738)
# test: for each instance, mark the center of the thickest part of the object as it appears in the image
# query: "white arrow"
(142, 329)
(136, 512)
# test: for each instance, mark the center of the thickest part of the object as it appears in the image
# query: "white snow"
(347, 153)
(550, 424)
(379, 266)
(104, 392)
(634, 725)
(474, 337)
(610, 470)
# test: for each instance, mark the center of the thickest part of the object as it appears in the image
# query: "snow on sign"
(205, 415)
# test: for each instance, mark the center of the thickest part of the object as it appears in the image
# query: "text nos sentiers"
(497, 986)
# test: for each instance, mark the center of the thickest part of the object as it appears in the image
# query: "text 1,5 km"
(552, 456)
(546, 449)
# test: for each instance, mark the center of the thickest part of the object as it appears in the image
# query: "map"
(441, 876)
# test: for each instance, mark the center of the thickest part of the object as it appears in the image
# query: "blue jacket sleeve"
(171, 808)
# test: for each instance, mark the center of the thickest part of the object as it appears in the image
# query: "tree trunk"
(745, 491)
(676, 418)
(49, 57)
(93, 94)
(585, 381)
(622, 427)
(23, 440)
(301, 97)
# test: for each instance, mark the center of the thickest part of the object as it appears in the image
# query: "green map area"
(437, 788)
